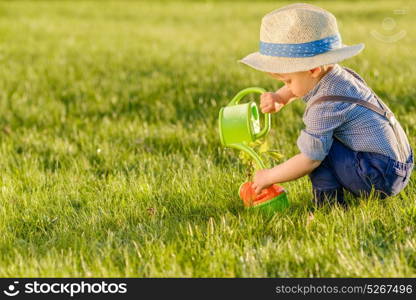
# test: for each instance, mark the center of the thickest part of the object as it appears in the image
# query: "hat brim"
(274, 64)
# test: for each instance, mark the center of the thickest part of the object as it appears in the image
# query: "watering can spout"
(251, 152)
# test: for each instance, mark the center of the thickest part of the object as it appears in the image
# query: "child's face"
(300, 83)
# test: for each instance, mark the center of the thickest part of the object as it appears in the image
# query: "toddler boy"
(351, 138)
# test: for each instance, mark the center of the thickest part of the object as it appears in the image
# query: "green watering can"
(239, 124)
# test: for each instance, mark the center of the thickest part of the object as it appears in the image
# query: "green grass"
(110, 157)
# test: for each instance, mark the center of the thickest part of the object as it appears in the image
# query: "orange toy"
(272, 198)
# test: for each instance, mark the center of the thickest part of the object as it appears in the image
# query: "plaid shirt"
(357, 127)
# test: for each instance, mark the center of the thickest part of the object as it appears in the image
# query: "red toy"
(248, 195)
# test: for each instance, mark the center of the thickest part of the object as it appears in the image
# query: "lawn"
(110, 155)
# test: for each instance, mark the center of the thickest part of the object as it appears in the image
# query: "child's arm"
(273, 102)
(286, 94)
(295, 167)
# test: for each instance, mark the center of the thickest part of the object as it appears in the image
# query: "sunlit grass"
(111, 162)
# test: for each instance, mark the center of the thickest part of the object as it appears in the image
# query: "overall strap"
(378, 99)
(381, 111)
(384, 111)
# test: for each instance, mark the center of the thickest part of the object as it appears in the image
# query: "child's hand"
(270, 102)
(273, 102)
(261, 180)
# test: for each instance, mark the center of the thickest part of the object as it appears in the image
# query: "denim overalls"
(359, 172)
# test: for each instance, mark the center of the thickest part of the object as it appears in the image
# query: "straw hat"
(299, 37)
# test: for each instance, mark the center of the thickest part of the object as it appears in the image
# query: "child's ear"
(315, 72)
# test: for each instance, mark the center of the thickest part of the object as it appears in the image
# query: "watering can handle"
(267, 118)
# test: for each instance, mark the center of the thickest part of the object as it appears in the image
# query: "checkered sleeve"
(320, 123)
